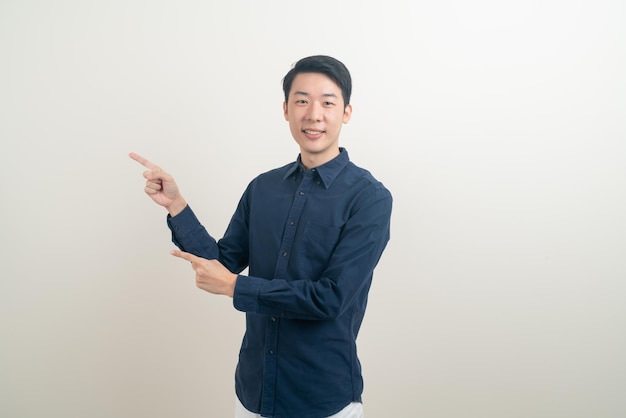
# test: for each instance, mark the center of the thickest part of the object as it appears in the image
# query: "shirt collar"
(327, 172)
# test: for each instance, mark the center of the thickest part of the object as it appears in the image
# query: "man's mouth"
(312, 132)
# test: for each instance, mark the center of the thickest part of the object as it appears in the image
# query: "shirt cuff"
(183, 223)
(247, 290)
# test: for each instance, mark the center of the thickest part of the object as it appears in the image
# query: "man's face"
(315, 112)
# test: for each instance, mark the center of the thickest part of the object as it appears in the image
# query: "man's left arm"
(348, 271)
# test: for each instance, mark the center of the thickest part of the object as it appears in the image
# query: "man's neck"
(310, 161)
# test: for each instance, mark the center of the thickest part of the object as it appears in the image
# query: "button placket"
(295, 212)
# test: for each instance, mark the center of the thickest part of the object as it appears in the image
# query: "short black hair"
(323, 64)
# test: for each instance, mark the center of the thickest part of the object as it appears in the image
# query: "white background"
(498, 126)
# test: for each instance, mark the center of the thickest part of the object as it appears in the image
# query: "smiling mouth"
(312, 132)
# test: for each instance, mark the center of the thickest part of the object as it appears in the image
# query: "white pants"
(354, 410)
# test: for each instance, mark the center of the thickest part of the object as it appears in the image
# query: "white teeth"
(307, 131)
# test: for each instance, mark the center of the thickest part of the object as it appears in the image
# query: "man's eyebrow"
(304, 93)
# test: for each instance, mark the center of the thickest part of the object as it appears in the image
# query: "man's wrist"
(232, 285)
(176, 207)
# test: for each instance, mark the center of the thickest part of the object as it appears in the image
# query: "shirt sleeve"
(190, 236)
(349, 270)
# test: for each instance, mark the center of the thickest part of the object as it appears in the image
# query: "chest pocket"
(315, 249)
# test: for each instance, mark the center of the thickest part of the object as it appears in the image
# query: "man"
(311, 233)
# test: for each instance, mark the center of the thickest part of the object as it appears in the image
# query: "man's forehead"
(312, 83)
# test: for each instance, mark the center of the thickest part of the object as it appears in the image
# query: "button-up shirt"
(310, 240)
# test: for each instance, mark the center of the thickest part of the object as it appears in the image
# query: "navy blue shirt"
(311, 240)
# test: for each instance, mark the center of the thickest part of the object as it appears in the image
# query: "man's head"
(317, 94)
(322, 64)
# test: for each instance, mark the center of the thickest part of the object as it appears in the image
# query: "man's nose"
(315, 112)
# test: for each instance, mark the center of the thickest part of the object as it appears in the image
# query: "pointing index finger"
(183, 255)
(143, 161)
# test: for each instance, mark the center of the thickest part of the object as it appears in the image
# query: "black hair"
(329, 66)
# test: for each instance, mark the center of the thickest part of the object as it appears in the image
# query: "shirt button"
(291, 223)
(271, 351)
(285, 254)
(301, 193)
(273, 319)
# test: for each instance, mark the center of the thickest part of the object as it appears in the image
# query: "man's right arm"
(188, 234)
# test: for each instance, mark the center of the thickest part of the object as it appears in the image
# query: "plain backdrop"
(499, 127)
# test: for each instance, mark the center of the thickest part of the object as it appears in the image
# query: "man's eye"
(301, 101)
(329, 104)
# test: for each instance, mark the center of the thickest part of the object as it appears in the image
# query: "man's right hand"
(161, 186)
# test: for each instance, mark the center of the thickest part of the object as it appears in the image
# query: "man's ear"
(285, 111)
(347, 113)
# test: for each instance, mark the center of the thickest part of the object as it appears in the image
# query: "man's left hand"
(211, 275)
